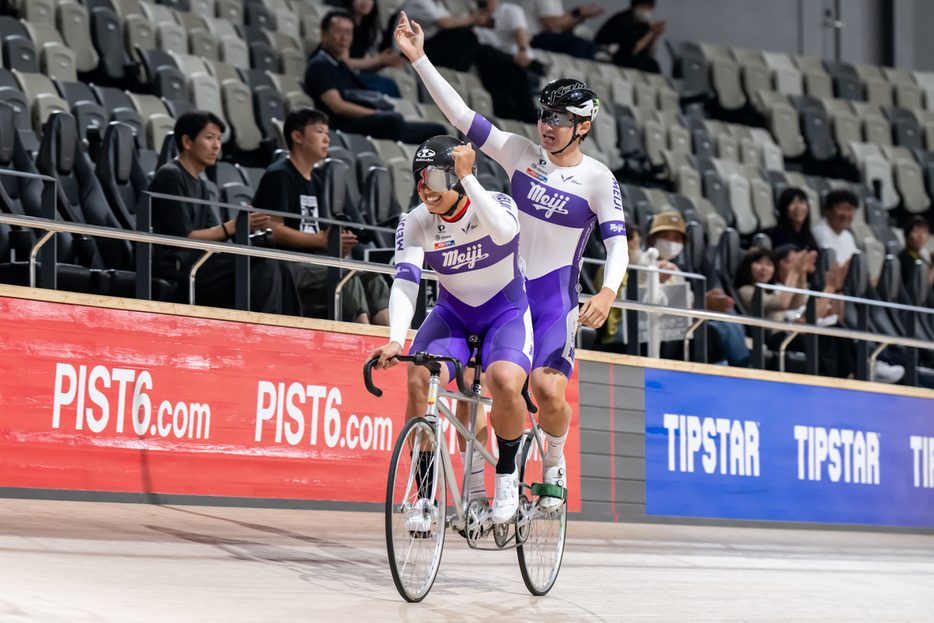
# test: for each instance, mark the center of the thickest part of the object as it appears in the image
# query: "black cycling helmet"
(572, 96)
(434, 165)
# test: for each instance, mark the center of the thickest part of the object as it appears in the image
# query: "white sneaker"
(506, 498)
(887, 373)
(554, 475)
(420, 518)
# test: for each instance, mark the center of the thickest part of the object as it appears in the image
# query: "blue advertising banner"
(748, 449)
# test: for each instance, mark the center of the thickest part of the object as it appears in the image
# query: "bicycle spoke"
(541, 553)
(415, 510)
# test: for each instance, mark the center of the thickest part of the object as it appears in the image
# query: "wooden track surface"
(85, 561)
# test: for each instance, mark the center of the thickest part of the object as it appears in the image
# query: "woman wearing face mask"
(630, 36)
(666, 239)
(667, 236)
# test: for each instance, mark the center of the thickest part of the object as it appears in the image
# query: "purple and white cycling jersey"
(481, 285)
(558, 208)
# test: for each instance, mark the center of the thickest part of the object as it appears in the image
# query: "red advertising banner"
(104, 399)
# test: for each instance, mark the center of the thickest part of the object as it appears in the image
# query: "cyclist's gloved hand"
(386, 355)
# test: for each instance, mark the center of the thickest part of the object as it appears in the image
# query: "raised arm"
(503, 147)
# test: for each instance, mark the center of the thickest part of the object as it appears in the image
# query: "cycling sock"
(507, 454)
(554, 448)
(424, 473)
(477, 465)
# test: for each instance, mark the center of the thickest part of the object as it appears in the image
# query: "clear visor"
(555, 118)
(439, 180)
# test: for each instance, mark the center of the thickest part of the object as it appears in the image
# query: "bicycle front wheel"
(415, 510)
(542, 548)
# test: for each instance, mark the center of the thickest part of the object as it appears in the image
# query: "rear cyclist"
(470, 237)
(561, 194)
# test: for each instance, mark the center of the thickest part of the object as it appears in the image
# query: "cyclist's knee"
(505, 381)
(549, 394)
(418, 381)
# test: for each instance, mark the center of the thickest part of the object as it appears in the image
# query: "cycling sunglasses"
(555, 118)
(439, 180)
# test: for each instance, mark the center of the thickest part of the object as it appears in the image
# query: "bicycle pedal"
(541, 489)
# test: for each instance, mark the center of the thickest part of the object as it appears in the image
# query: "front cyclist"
(470, 237)
(561, 194)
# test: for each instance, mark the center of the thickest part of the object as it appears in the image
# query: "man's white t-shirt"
(843, 244)
(537, 9)
(426, 13)
(507, 19)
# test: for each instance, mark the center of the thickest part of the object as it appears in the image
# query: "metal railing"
(700, 316)
(696, 332)
(209, 247)
(864, 360)
(333, 283)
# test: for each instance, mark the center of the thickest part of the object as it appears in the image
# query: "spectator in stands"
(198, 139)
(630, 36)
(837, 357)
(367, 53)
(834, 231)
(552, 27)
(450, 40)
(506, 63)
(758, 266)
(667, 238)
(917, 232)
(289, 185)
(794, 221)
(339, 93)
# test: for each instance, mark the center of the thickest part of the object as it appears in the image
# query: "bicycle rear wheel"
(542, 549)
(415, 510)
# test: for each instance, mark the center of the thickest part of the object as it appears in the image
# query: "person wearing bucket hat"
(668, 236)
(562, 195)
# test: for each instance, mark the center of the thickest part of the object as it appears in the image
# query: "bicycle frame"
(459, 494)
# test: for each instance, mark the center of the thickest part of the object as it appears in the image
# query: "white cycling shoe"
(554, 475)
(420, 518)
(506, 498)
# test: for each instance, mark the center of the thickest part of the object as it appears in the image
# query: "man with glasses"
(470, 237)
(561, 195)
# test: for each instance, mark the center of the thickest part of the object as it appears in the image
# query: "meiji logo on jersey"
(468, 258)
(536, 175)
(445, 243)
(549, 203)
(618, 228)
(617, 199)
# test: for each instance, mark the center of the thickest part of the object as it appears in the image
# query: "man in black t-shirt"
(630, 36)
(289, 185)
(330, 82)
(198, 138)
